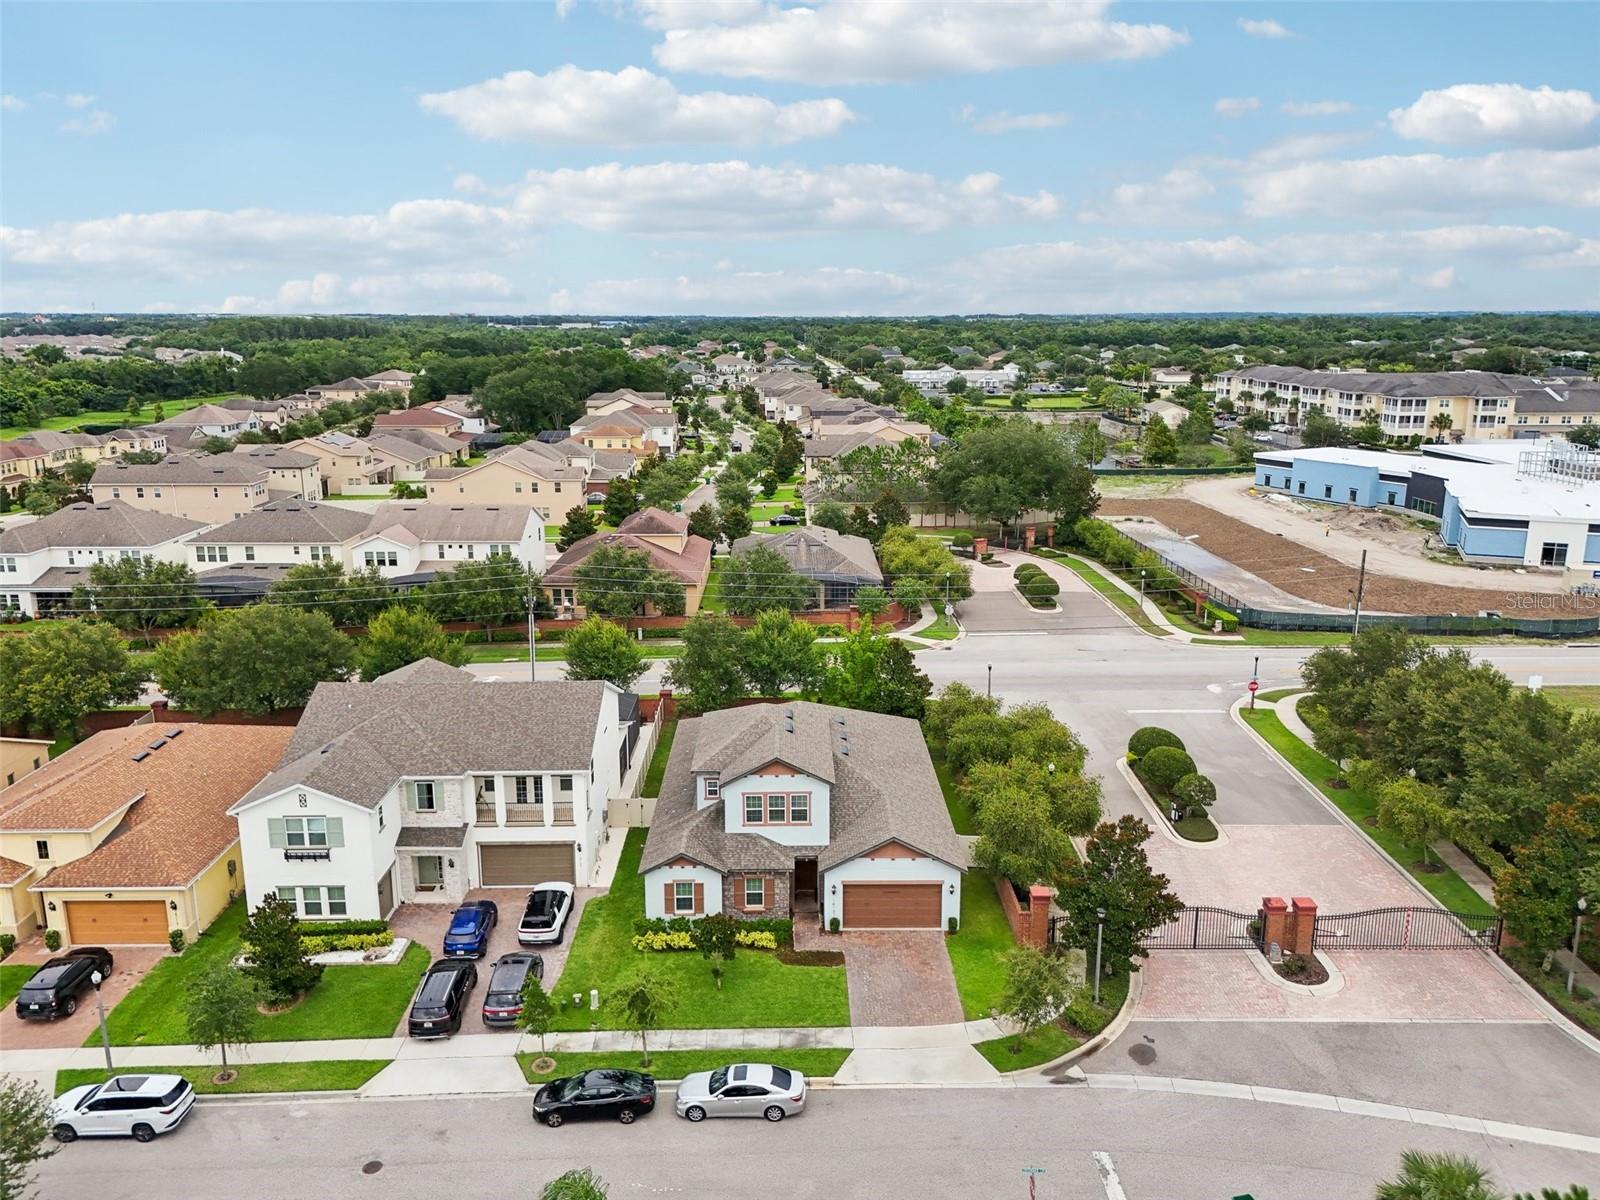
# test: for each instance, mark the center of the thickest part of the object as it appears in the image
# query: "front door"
(805, 875)
(430, 872)
(386, 893)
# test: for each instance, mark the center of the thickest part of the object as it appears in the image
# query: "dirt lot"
(1313, 576)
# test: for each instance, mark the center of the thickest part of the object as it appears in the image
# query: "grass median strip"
(1040, 1046)
(658, 760)
(331, 1075)
(1444, 884)
(675, 1064)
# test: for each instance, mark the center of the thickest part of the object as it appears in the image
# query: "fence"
(1407, 929)
(1206, 928)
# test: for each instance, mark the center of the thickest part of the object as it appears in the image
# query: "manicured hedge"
(1195, 790)
(1149, 737)
(1164, 766)
(325, 928)
(1037, 587)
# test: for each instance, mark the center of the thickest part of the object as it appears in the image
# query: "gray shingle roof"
(277, 457)
(443, 837)
(107, 523)
(1399, 384)
(355, 740)
(1561, 397)
(290, 522)
(426, 522)
(404, 449)
(820, 553)
(883, 790)
(178, 469)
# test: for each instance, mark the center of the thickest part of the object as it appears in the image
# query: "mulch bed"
(1301, 969)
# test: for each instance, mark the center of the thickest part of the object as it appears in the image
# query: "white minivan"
(136, 1106)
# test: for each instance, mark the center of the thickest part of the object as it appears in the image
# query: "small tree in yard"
(1038, 986)
(1427, 1176)
(25, 1123)
(642, 1004)
(871, 602)
(1417, 811)
(706, 522)
(582, 1184)
(1116, 876)
(220, 1010)
(399, 636)
(1018, 837)
(277, 960)
(579, 525)
(601, 649)
(717, 937)
(538, 1013)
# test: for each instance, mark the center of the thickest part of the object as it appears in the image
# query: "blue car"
(468, 935)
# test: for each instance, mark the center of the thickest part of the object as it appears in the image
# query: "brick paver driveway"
(129, 965)
(896, 977)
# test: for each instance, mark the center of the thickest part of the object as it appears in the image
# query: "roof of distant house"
(820, 553)
(106, 523)
(204, 414)
(429, 418)
(280, 458)
(414, 522)
(392, 375)
(1400, 384)
(656, 521)
(293, 522)
(690, 567)
(183, 469)
(405, 449)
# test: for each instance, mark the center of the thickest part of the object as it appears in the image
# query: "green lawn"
(1447, 887)
(349, 1002)
(332, 1075)
(1040, 1046)
(1575, 695)
(712, 600)
(658, 760)
(1110, 591)
(977, 951)
(11, 980)
(115, 416)
(1045, 402)
(1278, 694)
(943, 629)
(675, 1064)
(961, 816)
(757, 990)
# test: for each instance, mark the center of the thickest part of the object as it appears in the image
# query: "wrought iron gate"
(1407, 929)
(1205, 928)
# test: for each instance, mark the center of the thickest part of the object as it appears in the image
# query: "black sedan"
(53, 990)
(607, 1092)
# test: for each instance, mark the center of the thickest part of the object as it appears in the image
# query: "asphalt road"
(870, 1143)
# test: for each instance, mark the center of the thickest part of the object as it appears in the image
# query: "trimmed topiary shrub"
(961, 540)
(8, 943)
(52, 940)
(1164, 766)
(1147, 739)
(1195, 791)
(175, 939)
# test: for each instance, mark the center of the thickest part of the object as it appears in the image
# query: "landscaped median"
(1119, 599)
(1162, 765)
(675, 1064)
(332, 1075)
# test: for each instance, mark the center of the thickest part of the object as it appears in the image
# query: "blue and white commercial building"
(1523, 503)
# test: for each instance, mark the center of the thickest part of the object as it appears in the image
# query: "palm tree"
(1440, 425)
(1427, 1176)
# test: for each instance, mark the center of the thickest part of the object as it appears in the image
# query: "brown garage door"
(891, 906)
(525, 865)
(117, 922)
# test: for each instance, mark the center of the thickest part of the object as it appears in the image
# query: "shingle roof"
(883, 790)
(11, 871)
(426, 438)
(179, 794)
(355, 740)
(392, 375)
(175, 469)
(1399, 384)
(277, 457)
(654, 521)
(204, 414)
(691, 567)
(820, 553)
(404, 449)
(444, 837)
(1560, 397)
(50, 439)
(105, 523)
(428, 417)
(426, 522)
(290, 522)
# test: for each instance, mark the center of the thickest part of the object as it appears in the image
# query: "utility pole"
(533, 658)
(1361, 587)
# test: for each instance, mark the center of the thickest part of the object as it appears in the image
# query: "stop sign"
(1254, 685)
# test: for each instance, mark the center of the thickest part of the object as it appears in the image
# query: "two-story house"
(295, 473)
(413, 541)
(806, 811)
(284, 532)
(207, 487)
(345, 461)
(426, 783)
(553, 481)
(662, 537)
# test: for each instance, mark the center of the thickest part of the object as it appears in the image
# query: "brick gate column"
(1302, 926)
(1274, 922)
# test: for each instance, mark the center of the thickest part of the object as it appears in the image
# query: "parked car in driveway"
(468, 935)
(53, 990)
(502, 1002)
(136, 1106)
(442, 998)
(545, 917)
(742, 1090)
(605, 1092)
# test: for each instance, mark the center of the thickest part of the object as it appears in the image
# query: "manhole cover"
(371, 1168)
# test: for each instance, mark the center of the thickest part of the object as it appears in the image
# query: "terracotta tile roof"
(180, 822)
(11, 870)
(692, 566)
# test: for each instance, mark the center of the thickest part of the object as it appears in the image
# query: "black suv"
(502, 1004)
(442, 998)
(54, 988)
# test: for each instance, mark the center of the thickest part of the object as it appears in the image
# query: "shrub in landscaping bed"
(1195, 791)
(334, 928)
(752, 939)
(1163, 767)
(1148, 738)
(1301, 968)
(328, 943)
(1230, 623)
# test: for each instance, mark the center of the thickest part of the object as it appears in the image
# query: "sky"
(849, 157)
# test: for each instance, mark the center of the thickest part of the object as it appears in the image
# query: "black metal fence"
(1204, 928)
(1407, 929)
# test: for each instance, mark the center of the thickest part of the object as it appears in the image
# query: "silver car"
(742, 1090)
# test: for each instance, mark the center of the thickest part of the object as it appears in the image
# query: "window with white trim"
(319, 553)
(753, 812)
(315, 901)
(713, 788)
(755, 892)
(683, 896)
(423, 797)
(249, 554)
(381, 558)
(799, 809)
(305, 831)
(213, 554)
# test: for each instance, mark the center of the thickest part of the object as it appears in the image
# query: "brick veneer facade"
(777, 889)
(1030, 926)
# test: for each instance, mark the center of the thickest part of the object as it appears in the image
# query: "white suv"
(136, 1106)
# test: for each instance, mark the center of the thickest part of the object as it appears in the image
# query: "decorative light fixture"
(233, 867)
(173, 905)
(52, 906)
(834, 889)
(109, 895)
(952, 889)
(451, 863)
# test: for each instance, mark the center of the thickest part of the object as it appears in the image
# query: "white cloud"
(846, 291)
(1380, 188)
(1498, 112)
(1167, 201)
(885, 41)
(1302, 146)
(10, 103)
(1004, 122)
(1444, 277)
(1315, 108)
(738, 198)
(631, 107)
(1236, 106)
(564, 8)
(1270, 30)
(92, 123)
(77, 100)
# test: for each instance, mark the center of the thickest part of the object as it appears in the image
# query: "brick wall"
(1030, 923)
(777, 883)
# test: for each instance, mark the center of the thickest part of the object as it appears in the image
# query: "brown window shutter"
(699, 898)
(667, 889)
(766, 892)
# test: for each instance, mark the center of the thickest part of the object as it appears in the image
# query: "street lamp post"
(1142, 574)
(1577, 931)
(105, 1037)
(1099, 938)
(989, 687)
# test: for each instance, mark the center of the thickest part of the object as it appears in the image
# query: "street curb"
(1099, 1041)
(824, 1082)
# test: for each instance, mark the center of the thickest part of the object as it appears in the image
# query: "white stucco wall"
(891, 870)
(355, 866)
(654, 882)
(810, 834)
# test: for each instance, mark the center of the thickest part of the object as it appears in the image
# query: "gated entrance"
(1204, 928)
(1407, 929)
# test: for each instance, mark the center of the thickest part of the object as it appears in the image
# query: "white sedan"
(742, 1090)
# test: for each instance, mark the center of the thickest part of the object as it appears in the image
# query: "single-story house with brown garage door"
(127, 836)
(807, 811)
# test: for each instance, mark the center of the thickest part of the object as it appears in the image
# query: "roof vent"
(141, 756)
(157, 744)
(174, 732)
(326, 746)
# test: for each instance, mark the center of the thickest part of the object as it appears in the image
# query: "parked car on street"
(545, 917)
(502, 1002)
(468, 935)
(785, 519)
(442, 998)
(742, 1090)
(53, 990)
(136, 1106)
(604, 1092)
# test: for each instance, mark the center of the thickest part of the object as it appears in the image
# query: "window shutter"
(666, 898)
(276, 838)
(335, 831)
(699, 898)
(766, 892)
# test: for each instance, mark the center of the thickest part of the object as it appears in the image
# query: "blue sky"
(741, 156)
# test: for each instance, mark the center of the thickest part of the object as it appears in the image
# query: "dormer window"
(713, 788)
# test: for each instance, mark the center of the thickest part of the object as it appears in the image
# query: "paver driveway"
(896, 976)
(130, 964)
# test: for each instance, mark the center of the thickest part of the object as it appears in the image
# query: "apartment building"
(1465, 404)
